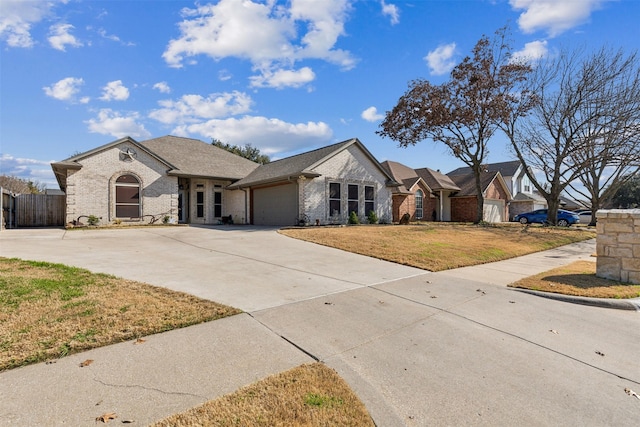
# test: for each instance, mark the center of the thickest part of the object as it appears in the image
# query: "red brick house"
(423, 193)
(464, 204)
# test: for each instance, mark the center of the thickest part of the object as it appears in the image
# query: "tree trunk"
(477, 171)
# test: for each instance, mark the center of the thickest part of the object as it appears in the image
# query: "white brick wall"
(91, 190)
(350, 166)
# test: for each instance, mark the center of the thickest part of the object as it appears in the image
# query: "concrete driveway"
(250, 268)
(419, 348)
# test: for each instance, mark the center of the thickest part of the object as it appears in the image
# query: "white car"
(585, 216)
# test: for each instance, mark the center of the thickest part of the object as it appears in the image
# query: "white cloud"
(224, 75)
(271, 136)
(65, 89)
(60, 37)
(195, 108)
(17, 17)
(162, 87)
(109, 122)
(266, 34)
(115, 91)
(531, 52)
(440, 60)
(29, 169)
(392, 11)
(371, 115)
(283, 78)
(553, 16)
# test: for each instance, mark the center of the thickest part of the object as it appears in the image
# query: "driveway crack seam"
(300, 348)
(168, 393)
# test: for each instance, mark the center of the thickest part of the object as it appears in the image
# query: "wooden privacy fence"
(40, 210)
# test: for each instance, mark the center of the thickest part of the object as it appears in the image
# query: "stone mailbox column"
(618, 245)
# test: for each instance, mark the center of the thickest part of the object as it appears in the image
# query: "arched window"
(419, 198)
(127, 197)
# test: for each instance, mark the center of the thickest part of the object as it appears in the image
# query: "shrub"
(353, 218)
(372, 217)
(93, 220)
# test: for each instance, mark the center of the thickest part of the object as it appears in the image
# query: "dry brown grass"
(50, 310)
(309, 395)
(579, 279)
(438, 246)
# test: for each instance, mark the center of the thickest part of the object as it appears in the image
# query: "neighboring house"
(185, 180)
(319, 186)
(464, 204)
(169, 178)
(524, 196)
(423, 193)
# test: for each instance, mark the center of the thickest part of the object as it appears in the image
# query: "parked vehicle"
(565, 218)
(585, 216)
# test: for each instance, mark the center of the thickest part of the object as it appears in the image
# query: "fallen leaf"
(127, 421)
(86, 363)
(105, 418)
(512, 302)
(380, 302)
(480, 290)
(140, 341)
(554, 331)
(433, 296)
(328, 303)
(50, 362)
(632, 393)
(599, 353)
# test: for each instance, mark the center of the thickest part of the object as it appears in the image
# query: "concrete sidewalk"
(455, 347)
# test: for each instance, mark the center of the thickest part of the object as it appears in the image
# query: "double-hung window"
(369, 204)
(352, 198)
(334, 199)
(127, 197)
(419, 201)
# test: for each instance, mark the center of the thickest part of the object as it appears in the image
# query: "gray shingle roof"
(402, 174)
(505, 168)
(195, 158)
(437, 180)
(467, 183)
(298, 165)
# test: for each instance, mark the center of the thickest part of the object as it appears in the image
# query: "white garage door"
(493, 210)
(275, 205)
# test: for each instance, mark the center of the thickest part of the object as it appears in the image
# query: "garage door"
(493, 210)
(275, 205)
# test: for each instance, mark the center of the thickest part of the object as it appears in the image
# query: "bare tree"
(582, 124)
(21, 185)
(463, 113)
(611, 155)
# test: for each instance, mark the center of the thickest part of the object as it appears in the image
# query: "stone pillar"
(618, 245)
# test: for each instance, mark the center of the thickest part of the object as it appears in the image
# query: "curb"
(632, 304)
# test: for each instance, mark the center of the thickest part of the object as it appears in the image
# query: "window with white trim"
(127, 197)
(334, 199)
(352, 198)
(419, 202)
(369, 198)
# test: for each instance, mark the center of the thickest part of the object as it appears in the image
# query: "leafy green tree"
(464, 112)
(628, 195)
(248, 151)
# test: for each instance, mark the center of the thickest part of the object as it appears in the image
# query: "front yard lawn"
(442, 246)
(578, 279)
(50, 310)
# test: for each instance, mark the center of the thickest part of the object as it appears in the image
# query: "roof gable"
(467, 183)
(300, 165)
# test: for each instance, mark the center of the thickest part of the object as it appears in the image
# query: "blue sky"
(283, 76)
